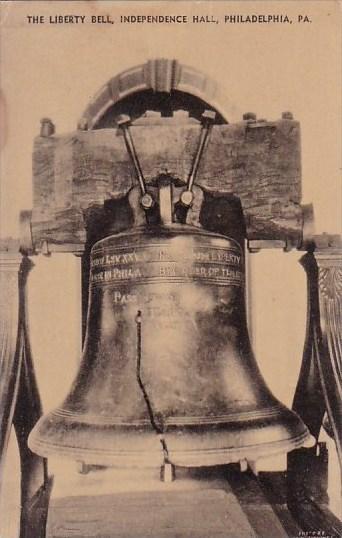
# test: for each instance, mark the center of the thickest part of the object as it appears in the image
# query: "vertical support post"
(10, 346)
(329, 261)
(19, 398)
(319, 387)
(308, 399)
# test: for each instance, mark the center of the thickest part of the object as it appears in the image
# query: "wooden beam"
(259, 162)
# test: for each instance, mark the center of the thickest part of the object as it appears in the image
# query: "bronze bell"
(168, 373)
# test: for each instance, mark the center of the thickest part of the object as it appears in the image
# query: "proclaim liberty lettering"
(168, 255)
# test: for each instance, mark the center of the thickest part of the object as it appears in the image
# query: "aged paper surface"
(266, 57)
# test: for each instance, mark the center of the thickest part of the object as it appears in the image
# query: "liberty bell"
(167, 374)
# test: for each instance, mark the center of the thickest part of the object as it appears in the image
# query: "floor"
(198, 504)
(216, 503)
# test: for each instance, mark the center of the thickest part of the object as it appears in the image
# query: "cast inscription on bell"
(175, 261)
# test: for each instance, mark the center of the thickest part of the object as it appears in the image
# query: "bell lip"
(208, 458)
(182, 458)
(141, 445)
(162, 229)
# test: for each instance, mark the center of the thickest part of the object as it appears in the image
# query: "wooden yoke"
(258, 162)
(75, 176)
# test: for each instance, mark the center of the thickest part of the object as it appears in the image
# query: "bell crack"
(159, 429)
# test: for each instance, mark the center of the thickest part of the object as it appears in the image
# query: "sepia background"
(54, 70)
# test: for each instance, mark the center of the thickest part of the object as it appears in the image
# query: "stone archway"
(162, 85)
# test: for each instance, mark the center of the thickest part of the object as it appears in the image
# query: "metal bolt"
(45, 248)
(123, 120)
(249, 116)
(147, 201)
(47, 127)
(208, 116)
(243, 465)
(82, 468)
(254, 467)
(252, 248)
(83, 124)
(187, 198)
(288, 246)
(167, 472)
(287, 115)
